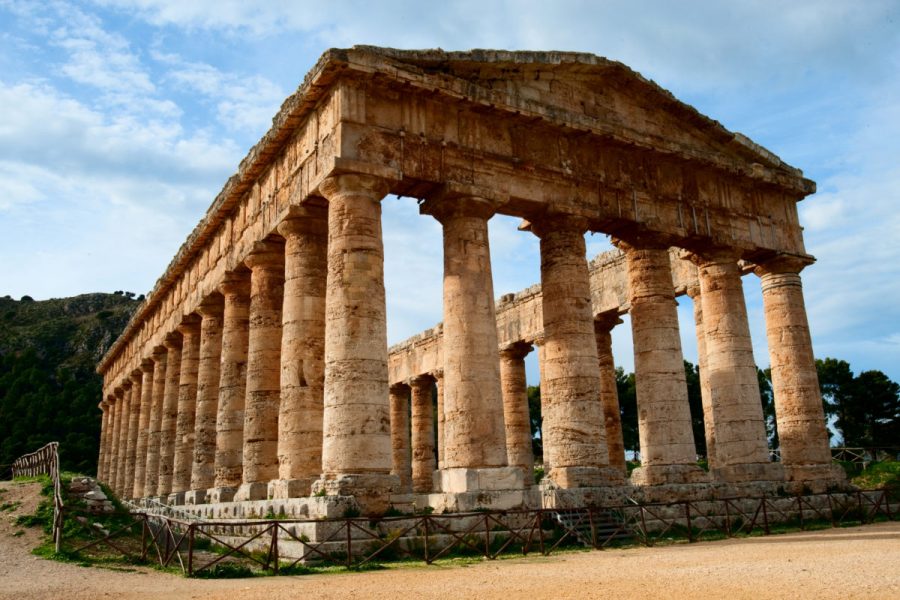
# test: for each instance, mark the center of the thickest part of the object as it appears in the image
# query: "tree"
(695, 402)
(628, 409)
(767, 399)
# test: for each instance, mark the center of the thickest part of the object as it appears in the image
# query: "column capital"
(158, 353)
(372, 186)
(420, 380)
(136, 376)
(438, 374)
(712, 255)
(173, 341)
(516, 350)
(190, 325)
(556, 222)
(212, 305)
(147, 365)
(693, 290)
(308, 219)
(399, 388)
(640, 241)
(236, 282)
(606, 321)
(783, 264)
(266, 254)
(444, 207)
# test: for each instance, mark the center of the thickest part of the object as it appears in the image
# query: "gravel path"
(859, 562)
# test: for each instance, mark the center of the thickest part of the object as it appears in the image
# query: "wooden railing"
(44, 461)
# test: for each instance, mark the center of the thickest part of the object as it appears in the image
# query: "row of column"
(277, 386)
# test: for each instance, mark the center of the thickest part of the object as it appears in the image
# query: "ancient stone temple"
(258, 369)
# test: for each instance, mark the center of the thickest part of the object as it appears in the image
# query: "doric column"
(140, 456)
(609, 393)
(302, 352)
(116, 420)
(151, 477)
(474, 433)
(573, 430)
(709, 428)
(169, 416)
(668, 454)
(134, 417)
(103, 456)
(122, 450)
(235, 289)
(438, 375)
(422, 411)
(513, 386)
(400, 447)
(741, 449)
(356, 449)
(266, 263)
(802, 433)
(203, 473)
(189, 328)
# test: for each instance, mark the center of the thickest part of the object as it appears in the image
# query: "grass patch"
(9, 506)
(879, 474)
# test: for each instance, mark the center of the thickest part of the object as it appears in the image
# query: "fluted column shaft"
(668, 454)
(474, 432)
(151, 477)
(169, 415)
(709, 427)
(122, 451)
(232, 386)
(514, 388)
(400, 436)
(802, 434)
(609, 393)
(140, 456)
(574, 434)
(441, 419)
(187, 407)
(356, 451)
(203, 474)
(266, 264)
(103, 457)
(422, 435)
(740, 436)
(114, 460)
(302, 352)
(134, 418)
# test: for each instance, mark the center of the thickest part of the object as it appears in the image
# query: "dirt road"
(857, 562)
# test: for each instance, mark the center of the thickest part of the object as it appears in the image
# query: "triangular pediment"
(577, 90)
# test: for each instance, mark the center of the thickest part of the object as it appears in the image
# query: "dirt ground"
(859, 562)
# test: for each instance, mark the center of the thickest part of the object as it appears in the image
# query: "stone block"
(220, 494)
(258, 490)
(289, 488)
(195, 497)
(461, 480)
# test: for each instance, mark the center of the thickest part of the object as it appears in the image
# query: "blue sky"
(121, 119)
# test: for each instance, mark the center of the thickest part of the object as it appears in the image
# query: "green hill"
(48, 388)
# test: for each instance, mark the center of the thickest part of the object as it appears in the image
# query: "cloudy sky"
(121, 119)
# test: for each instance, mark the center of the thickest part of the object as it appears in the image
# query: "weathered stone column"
(741, 449)
(802, 434)
(573, 429)
(169, 416)
(235, 289)
(609, 393)
(356, 450)
(203, 473)
(439, 382)
(122, 444)
(189, 328)
(400, 446)
(302, 352)
(116, 419)
(103, 456)
(134, 417)
(140, 457)
(514, 388)
(668, 454)
(474, 433)
(151, 477)
(422, 410)
(709, 428)
(266, 263)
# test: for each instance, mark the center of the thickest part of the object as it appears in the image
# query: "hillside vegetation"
(48, 388)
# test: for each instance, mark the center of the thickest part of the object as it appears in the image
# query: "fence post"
(765, 514)
(727, 517)
(349, 544)
(800, 510)
(190, 550)
(487, 537)
(275, 527)
(425, 526)
(687, 515)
